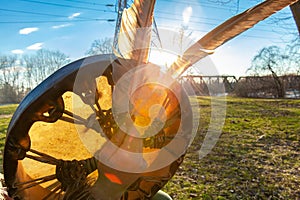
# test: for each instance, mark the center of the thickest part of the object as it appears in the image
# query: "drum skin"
(43, 123)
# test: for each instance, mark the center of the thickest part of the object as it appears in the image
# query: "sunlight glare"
(162, 57)
(186, 14)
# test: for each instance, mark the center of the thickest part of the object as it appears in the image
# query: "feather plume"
(225, 32)
(135, 31)
(295, 8)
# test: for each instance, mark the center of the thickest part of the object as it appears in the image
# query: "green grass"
(8, 109)
(5, 114)
(257, 155)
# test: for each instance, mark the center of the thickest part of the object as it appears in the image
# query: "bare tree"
(7, 67)
(293, 51)
(102, 46)
(9, 76)
(42, 64)
(271, 61)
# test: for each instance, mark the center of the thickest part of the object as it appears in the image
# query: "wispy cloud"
(26, 31)
(17, 51)
(61, 26)
(36, 46)
(74, 15)
(186, 14)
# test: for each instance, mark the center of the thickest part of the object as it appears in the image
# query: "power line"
(173, 14)
(37, 13)
(213, 5)
(161, 12)
(109, 20)
(54, 21)
(54, 15)
(206, 23)
(241, 35)
(179, 19)
(90, 3)
(203, 18)
(166, 18)
(67, 6)
(207, 5)
(79, 19)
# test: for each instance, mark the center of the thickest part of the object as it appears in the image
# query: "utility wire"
(205, 5)
(206, 23)
(204, 18)
(79, 17)
(174, 14)
(38, 13)
(201, 4)
(59, 21)
(79, 1)
(67, 6)
(90, 3)
(161, 12)
(241, 35)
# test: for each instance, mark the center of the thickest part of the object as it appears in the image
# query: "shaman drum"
(99, 128)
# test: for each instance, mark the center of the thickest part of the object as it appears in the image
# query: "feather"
(135, 31)
(225, 32)
(295, 8)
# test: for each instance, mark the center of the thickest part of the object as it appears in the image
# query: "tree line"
(19, 74)
(276, 67)
(274, 73)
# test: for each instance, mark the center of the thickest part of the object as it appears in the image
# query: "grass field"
(6, 112)
(256, 157)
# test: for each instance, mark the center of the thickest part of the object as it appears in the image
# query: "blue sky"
(72, 25)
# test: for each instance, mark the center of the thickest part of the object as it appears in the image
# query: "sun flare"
(162, 57)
